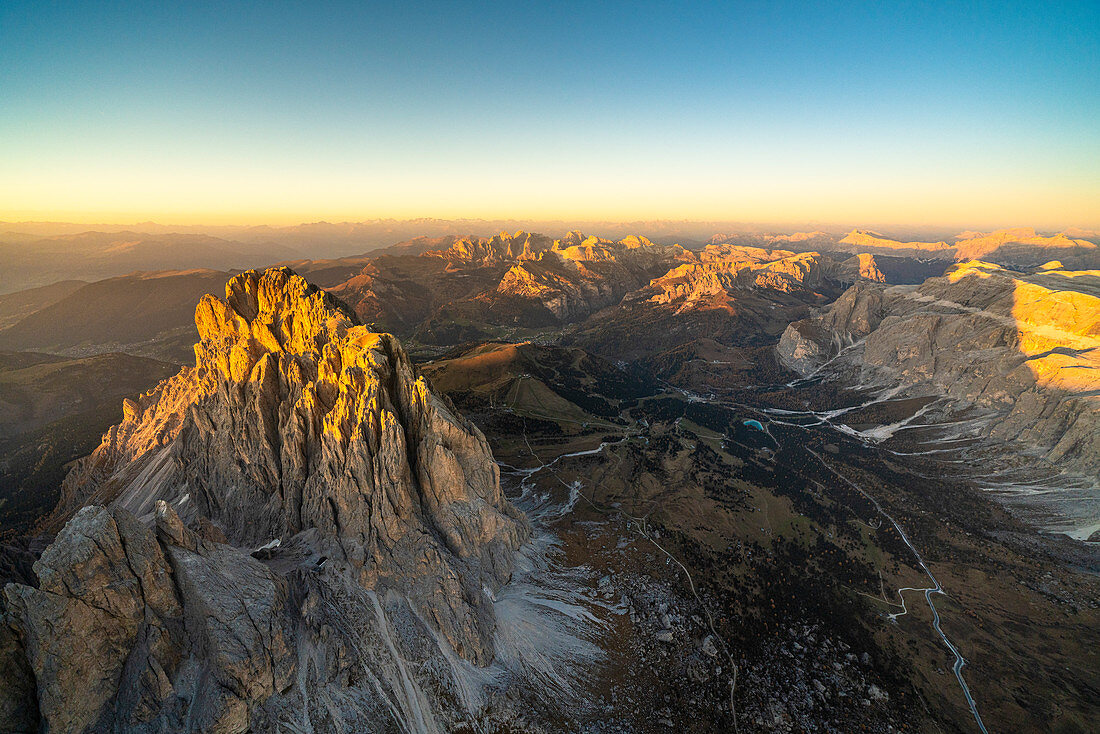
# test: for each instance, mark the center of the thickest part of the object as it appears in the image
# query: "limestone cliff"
(726, 269)
(295, 419)
(1026, 347)
(580, 275)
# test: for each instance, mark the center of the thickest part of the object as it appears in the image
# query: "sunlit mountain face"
(611, 368)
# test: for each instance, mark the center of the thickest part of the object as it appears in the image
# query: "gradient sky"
(919, 113)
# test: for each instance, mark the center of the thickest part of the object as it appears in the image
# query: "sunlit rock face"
(866, 268)
(726, 269)
(567, 289)
(295, 419)
(873, 241)
(501, 247)
(1023, 247)
(1020, 247)
(579, 275)
(1025, 346)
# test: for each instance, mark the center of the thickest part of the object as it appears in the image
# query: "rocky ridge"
(1020, 247)
(725, 269)
(297, 430)
(1023, 346)
(475, 287)
(868, 240)
(296, 419)
(518, 246)
(580, 275)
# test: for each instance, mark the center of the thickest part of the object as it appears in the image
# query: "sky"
(983, 114)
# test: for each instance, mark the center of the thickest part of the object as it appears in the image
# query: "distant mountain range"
(95, 255)
(148, 314)
(35, 254)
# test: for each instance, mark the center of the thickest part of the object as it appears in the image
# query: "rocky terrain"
(1021, 247)
(868, 241)
(296, 429)
(446, 290)
(1020, 349)
(471, 289)
(733, 296)
(477, 286)
(598, 485)
(763, 557)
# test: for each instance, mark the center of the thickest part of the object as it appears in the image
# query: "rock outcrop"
(1025, 347)
(382, 528)
(728, 269)
(128, 631)
(864, 267)
(297, 419)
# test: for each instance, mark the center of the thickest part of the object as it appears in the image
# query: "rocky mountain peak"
(727, 268)
(575, 237)
(298, 424)
(266, 312)
(500, 247)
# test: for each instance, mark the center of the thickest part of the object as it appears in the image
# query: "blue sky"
(983, 114)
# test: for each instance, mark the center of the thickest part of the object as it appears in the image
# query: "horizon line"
(789, 225)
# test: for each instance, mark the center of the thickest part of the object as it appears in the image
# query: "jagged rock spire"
(297, 420)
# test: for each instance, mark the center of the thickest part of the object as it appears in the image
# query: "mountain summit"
(298, 430)
(297, 418)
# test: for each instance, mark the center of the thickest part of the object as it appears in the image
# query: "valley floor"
(779, 574)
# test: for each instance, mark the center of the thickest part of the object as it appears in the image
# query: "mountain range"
(809, 481)
(39, 253)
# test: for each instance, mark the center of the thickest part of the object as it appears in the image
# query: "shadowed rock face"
(131, 630)
(297, 419)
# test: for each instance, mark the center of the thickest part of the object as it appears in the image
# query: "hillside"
(142, 313)
(14, 307)
(54, 410)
